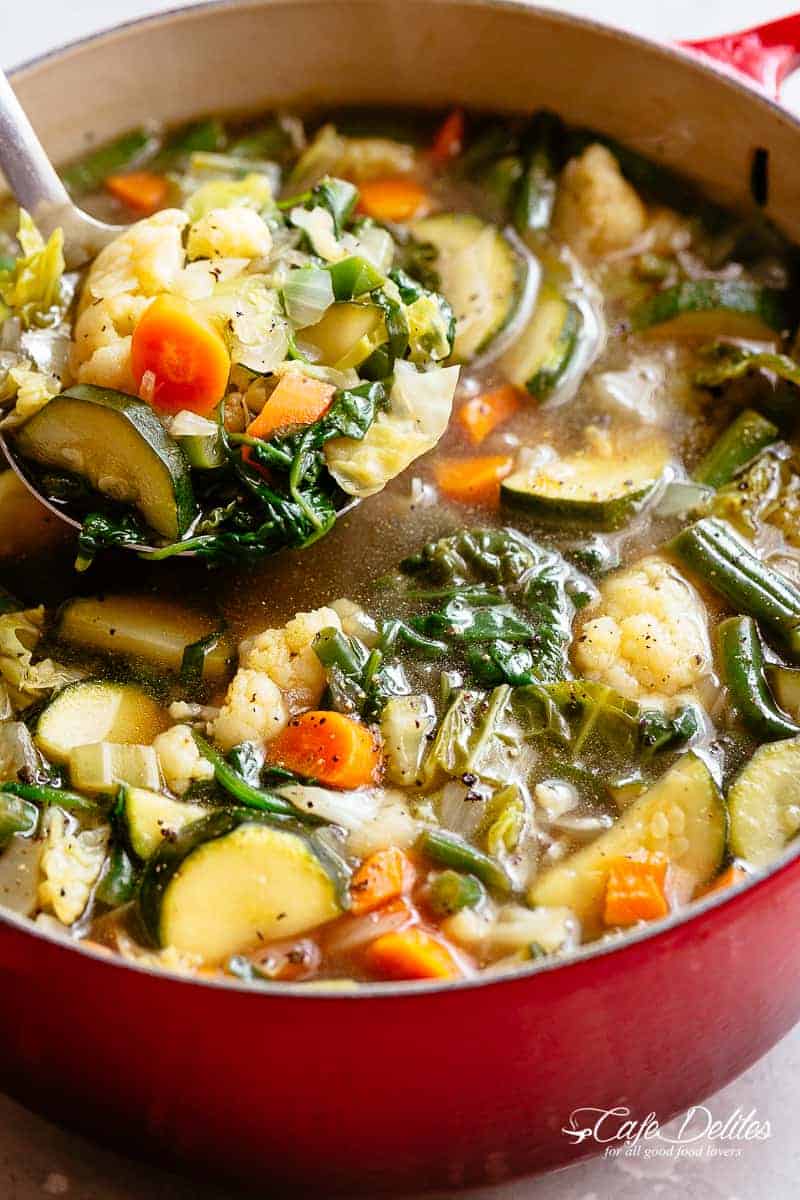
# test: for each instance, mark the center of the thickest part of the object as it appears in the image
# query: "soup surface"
(535, 688)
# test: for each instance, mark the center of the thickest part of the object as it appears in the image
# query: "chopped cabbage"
(254, 191)
(71, 865)
(26, 681)
(33, 285)
(32, 389)
(247, 313)
(317, 224)
(419, 410)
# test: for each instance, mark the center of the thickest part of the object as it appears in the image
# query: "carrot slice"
(298, 400)
(391, 199)
(481, 415)
(729, 878)
(140, 190)
(328, 746)
(412, 954)
(635, 892)
(473, 480)
(449, 138)
(187, 360)
(383, 876)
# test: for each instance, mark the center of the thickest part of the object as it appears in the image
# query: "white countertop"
(38, 1159)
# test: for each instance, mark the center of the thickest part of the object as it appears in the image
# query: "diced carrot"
(412, 954)
(298, 400)
(635, 891)
(187, 360)
(383, 876)
(729, 878)
(328, 746)
(482, 414)
(449, 138)
(140, 190)
(392, 199)
(473, 480)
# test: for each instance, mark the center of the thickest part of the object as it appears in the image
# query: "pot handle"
(766, 54)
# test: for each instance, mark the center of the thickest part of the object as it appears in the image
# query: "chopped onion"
(307, 295)
(191, 424)
(351, 810)
(349, 933)
(681, 497)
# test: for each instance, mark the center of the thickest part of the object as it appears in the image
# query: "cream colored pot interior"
(421, 52)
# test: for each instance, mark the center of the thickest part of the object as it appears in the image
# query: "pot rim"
(616, 944)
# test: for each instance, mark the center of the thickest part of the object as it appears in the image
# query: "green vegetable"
(352, 277)
(94, 711)
(147, 818)
(450, 891)
(594, 491)
(535, 193)
(476, 737)
(119, 880)
(452, 851)
(244, 793)
(17, 816)
(307, 295)
(749, 434)
(726, 563)
(198, 655)
(579, 882)
(359, 680)
(728, 362)
(125, 453)
(764, 803)
(709, 308)
(479, 274)
(40, 793)
(89, 174)
(540, 356)
(743, 667)
(268, 881)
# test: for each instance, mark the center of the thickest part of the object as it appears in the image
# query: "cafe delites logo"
(699, 1133)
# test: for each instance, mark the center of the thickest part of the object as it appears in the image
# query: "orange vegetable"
(185, 358)
(449, 138)
(140, 190)
(729, 878)
(482, 414)
(635, 891)
(412, 954)
(391, 199)
(298, 400)
(383, 876)
(328, 746)
(473, 480)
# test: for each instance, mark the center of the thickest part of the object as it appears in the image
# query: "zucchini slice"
(232, 881)
(141, 627)
(101, 767)
(764, 803)
(97, 711)
(148, 819)
(119, 446)
(710, 308)
(784, 683)
(541, 354)
(691, 802)
(347, 335)
(479, 275)
(604, 493)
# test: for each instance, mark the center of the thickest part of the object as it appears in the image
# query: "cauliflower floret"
(127, 273)
(597, 210)
(287, 656)
(181, 762)
(71, 864)
(231, 233)
(254, 710)
(648, 636)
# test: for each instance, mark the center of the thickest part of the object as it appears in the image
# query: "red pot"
(418, 1086)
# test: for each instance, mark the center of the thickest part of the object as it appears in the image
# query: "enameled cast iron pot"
(416, 1086)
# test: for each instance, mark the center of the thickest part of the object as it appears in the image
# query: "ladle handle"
(29, 172)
